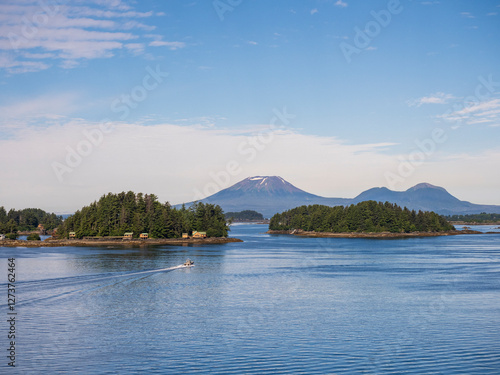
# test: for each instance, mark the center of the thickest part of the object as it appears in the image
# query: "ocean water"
(272, 304)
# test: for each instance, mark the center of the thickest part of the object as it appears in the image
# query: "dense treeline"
(116, 214)
(247, 215)
(27, 219)
(368, 216)
(483, 217)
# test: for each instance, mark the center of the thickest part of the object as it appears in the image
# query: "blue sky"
(185, 87)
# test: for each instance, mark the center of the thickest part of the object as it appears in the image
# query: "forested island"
(482, 218)
(117, 214)
(364, 217)
(242, 216)
(27, 220)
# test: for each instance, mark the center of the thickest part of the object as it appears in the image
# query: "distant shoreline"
(375, 235)
(125, 243)
(265, 221)
(473, 223)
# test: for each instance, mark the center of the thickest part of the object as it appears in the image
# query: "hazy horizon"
(68, 212)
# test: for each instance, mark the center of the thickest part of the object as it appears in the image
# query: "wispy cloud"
(41, 107)
(437, 98)
(36, 35)
(485, 112)
(341, 4)
(13, 65)
(467, 15)
(135, 48)
(314, 11)
(171, 45)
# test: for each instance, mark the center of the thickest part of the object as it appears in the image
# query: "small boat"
(189, 263)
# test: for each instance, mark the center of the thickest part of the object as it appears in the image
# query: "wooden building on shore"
(197, 234)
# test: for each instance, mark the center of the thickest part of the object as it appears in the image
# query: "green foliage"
(9, 226)
(11, 236)
(33, 237)
(28, 219)
(247, 215)
(115, 214)
(368, 216)
(475, 218)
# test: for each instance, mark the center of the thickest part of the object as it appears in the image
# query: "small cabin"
(199, 234)
(128, 236)
(72, 234)
(144, 236)
(2, 237)
(185, 235)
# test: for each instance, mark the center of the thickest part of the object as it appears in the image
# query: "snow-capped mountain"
(271, 194)
(267, 195)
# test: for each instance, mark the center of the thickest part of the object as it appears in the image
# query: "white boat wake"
(86, 279)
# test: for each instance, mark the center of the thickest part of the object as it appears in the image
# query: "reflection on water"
(273, 304)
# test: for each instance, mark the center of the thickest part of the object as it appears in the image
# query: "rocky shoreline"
(126, 243)
(303, 233)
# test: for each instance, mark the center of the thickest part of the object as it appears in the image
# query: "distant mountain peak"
(425, 185)
(265, 183)
(271, 194)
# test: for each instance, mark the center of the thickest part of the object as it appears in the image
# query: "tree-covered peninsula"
(117, 214)
(364, 217)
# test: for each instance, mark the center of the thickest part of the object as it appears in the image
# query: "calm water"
(273, 304)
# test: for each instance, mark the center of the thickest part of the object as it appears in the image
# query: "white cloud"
(314, 11)
(68, 64)
(33, 34)
(197, 151)
(174, 160)
(253, 43)
(485, 112)
(171, 45)
(8, 62)
(467, 15)
(135, 48)
(437, 98)
(38, 111)
(341, 4)
(134, 24)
